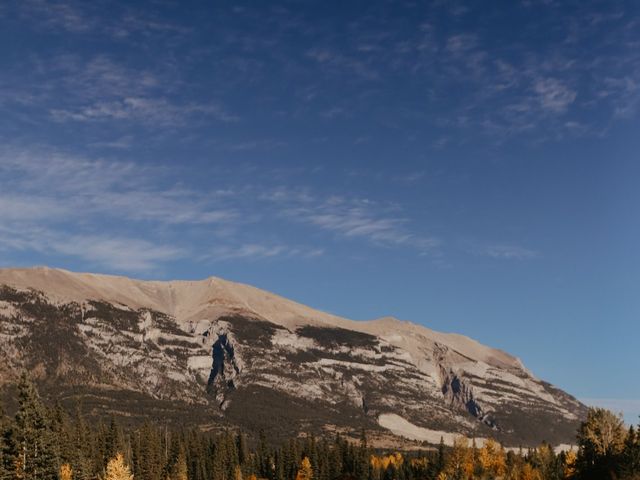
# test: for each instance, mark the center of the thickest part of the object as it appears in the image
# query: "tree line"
(46, 443)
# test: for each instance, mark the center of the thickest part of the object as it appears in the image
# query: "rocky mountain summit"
(215, 352)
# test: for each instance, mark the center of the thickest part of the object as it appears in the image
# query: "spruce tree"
(83, 468)
(280, 464)
(5, 464)
(335, 458)
(630, 458)
(178, 470)
(149, 463)
(264, 462)
(440, 459)
(113, 440)
(243, 452)
(33, 447)
(362, 458)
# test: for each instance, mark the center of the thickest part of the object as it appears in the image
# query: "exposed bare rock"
(214, 351)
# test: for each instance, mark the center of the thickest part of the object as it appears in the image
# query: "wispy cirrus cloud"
(364, 219)
(508, 252)
(96, 18)
(58, 14)
(130, 217)
(53, 203)
(553, 94)
(260, 251)
(52, 185)
(153, 111)
(98, 88)
(125, 254)
(466, 80)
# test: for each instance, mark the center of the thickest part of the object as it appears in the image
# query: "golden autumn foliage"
(603, 432)
(421, 462)
(570, 464)
(382, 463)
(66, 472)
(492, 458)
(305, 472)
(460, 461)
(117, 469)
(529, 473)
(237, 473)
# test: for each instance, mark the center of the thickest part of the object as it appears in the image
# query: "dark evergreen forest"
(45, 442)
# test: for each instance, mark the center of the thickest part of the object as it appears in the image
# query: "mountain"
(218, 353)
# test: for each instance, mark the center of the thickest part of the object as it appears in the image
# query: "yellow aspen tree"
(569, 469)
(492, 458)
(500, 463)
(486, 455)
(468, 466)
(237, 473)
(305, 472)
(66, 472)
(458, 458)
(117, 469)
(376, 465)
(529, 473)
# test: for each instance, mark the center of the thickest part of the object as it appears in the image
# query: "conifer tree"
(361, 463)
(179, 468)
(630, 458)
(305, 472)
(148, 465)
(113, 440)
(117, 469)
(231, 459)
(241, 446)
(280, 464)
(335, 466)
(80, 448)
(264, 462)
(4, 451)
(33, 447)
(440, 459)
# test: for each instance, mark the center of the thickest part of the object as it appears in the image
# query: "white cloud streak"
(553, 94)
(258, 251)
(128, 254)
(508, 252)
(351, 218)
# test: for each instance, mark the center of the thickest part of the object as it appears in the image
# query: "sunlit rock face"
(217, 353)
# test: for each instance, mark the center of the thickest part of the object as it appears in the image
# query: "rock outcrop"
(219, 353)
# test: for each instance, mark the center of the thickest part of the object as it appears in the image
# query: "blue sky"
(469, 166)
